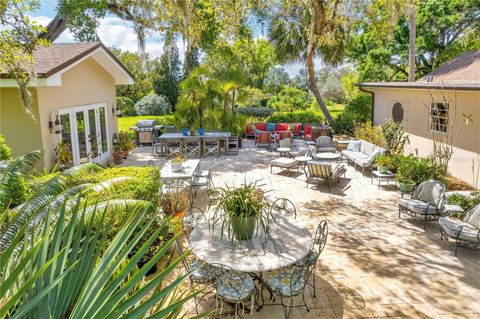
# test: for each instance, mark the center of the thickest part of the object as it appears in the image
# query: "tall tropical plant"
(303, 30)
(64, 272)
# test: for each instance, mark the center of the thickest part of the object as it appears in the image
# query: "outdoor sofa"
(362, 153)
(462, 233)
(252, 128)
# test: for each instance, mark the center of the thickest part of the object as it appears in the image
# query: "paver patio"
(374, 264)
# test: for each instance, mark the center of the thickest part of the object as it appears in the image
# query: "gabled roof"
(465, 68)
(460, 73)
(50, 62)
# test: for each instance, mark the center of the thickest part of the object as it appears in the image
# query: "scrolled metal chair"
(284, 207)
(288, 283)
(193, 216)
(318, 244)
(233, 287)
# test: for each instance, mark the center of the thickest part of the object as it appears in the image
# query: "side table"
(386, 177)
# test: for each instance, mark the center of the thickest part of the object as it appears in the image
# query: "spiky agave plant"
(62, 272)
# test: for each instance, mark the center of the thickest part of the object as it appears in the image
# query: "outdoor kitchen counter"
(160, 142)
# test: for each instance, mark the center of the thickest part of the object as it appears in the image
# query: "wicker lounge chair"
(317, 172)
(427, 200)
(463, 233)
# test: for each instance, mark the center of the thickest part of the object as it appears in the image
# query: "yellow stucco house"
(446, 101)
(75, 86)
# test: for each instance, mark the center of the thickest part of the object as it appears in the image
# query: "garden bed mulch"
(453, 183)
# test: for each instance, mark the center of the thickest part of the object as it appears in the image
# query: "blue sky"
(115, 32)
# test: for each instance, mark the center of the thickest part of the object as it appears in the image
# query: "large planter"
(118, 158)
(243, 227)
(406, 187)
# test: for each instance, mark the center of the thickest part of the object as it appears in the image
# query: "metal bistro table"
(163, 139)
(290, 241)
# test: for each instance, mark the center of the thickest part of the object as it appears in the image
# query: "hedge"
(297, 116)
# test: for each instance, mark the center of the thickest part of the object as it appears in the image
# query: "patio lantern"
(56, 126)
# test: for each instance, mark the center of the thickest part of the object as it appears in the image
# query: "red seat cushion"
(307, 129)
(261, 126)
(297, 128)
(308, 136)
(281, 127)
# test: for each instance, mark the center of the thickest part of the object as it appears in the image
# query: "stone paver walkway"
(374, 265)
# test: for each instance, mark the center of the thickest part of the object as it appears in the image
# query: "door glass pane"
(93, 134)
(103, 129)
(65, 153)
(82, 141)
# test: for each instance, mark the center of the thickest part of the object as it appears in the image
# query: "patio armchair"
(463, 233)
(317, 172)
(325, 144)
(202, 178)
(262, 138)
(427, 201)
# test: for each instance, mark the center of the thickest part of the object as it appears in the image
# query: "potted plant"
(406, 174)
(177, 162)
(117, 154)
(64, 154)
(383, 162)
(125, 142)
(240, 210)
(174, 202)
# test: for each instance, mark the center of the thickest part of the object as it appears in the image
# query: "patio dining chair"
(427, 201)
(318, 244)
(193, 216)
(325, 144)
(211, 145)
(233, 145)
(192, 147)
(463, 233)
(201, 273)
(284, 207)
(317, 172)
(173, 146)
(233, 287)
(202, 177)
(288, 283)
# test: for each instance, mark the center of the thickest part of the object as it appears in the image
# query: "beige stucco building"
(446, 101)
(75, 85)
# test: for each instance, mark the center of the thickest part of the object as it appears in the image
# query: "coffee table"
(327, 156)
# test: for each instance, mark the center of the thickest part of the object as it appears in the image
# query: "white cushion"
(452, 228)
(354, 146)
(284, 162)
(374, 154)
(417, 206)
(473, 216)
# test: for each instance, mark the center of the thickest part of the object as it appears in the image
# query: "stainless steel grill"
(146, 131)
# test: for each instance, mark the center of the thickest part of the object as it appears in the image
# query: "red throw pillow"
(281, 127)
(297, 128)
(307, 129)
(261, 126)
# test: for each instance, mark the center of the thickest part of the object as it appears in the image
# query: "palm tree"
(412, 21)
(303, 30)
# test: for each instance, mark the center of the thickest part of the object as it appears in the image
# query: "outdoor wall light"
(115, 139)
(116, 110)
(55, 126)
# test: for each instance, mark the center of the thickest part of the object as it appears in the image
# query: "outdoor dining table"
(289, 241)
(161, 141)
(189, 168)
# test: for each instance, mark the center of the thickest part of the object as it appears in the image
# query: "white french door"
(86, 130)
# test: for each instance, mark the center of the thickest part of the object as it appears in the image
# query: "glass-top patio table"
(290, 241)
(189, 168)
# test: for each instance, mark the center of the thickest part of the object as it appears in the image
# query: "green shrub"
(153, 104)
(255, 111)
(395, 138)
(358, 110)
(5, 151)
(18, 188)
(297, 116)
(127, 106)
(416, 169)
(464, 201)
(290, 99)
(370, 133)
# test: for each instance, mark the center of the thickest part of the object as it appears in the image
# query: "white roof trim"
(100, 55)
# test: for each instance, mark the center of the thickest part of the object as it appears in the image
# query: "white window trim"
(430, 116)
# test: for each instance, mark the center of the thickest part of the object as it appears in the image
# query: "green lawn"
(124, 123)
(336, 109)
